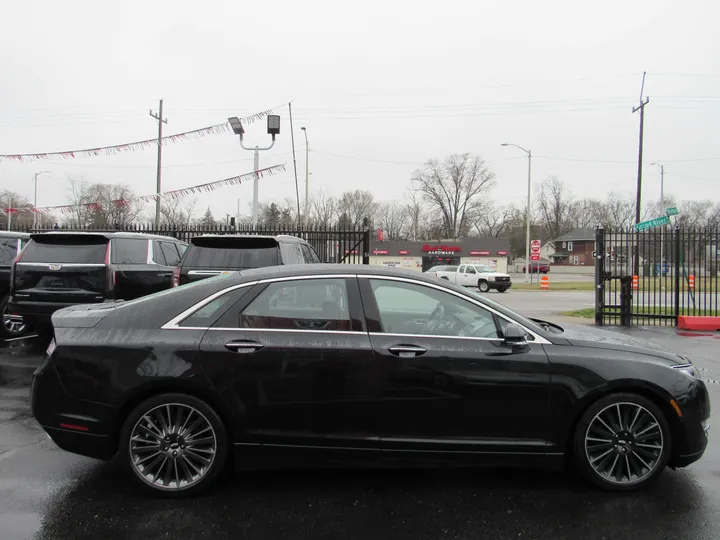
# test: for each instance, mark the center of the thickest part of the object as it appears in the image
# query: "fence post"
(366, 242)
(599, 279)
(677, 274)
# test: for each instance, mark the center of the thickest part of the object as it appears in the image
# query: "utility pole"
(662, 207)
(35, 200)
(10, 213)
(527, 217)
(641, 108)
(307, 176)
(161, 121)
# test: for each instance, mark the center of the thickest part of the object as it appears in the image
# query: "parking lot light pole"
(527, 220)
(273, 128)
(662, 207)
(35, 200)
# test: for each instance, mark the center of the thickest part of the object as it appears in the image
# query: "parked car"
(538, 268)
(471, 275)
(11, 243)
(320, 363)
(60, 269)
(212, 254)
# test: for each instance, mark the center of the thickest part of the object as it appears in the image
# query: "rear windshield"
(66, 249)
(8, 250)
(232, 253)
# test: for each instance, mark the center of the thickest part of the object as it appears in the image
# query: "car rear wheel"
(175, 445)
(10, 328)
(622, 442)
(483, 285)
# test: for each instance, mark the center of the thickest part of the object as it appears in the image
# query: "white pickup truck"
(473, 275)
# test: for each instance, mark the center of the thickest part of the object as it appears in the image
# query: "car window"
(485, 269)
(157, 253)
(203, 317)
(310, 304)
(67, 249)
(408, 308)
(8, 250)
(461, 269)
(291, 253)
(231, 258)
(470, 270)
(309, 254)
(129, 250)
(172, 257)
(451, 269)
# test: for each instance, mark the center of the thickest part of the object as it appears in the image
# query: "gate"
(652, 277)
(332, 244)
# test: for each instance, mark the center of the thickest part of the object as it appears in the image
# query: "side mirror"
(515, 335)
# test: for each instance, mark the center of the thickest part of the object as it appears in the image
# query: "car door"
(135, 274)
(296, 362)
(452, 383)
(469, 276)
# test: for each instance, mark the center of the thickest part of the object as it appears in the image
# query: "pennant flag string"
(174, 194)
(131, 147)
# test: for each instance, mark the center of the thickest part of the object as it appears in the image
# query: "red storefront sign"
(380, 252)
(404, 252)
(479, 253)
(427, 248)
(502, 252)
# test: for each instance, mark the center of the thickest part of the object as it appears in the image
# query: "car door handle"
(406, 351)
(243, 347)
(165, 274)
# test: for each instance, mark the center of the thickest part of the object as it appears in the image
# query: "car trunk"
(210, 256)
(65, 269)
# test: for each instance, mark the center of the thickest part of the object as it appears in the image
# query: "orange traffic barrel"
(635, 283)
(545, 282)
(691, 281)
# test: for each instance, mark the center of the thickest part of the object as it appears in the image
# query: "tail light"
(176, 277)
(111, 278)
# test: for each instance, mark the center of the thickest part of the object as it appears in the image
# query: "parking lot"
(46, 493)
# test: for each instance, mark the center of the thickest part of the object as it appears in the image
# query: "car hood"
(496, 274)
(584, 336)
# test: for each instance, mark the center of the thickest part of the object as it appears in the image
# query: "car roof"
(291, 270)
(278, 237)
(108, 234)
(14, 234)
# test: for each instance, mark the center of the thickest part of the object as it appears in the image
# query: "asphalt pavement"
(46, 493)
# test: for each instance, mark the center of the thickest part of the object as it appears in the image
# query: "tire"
(190, 417)
(8, 329)
(483, 285)
(502, 289)
(610, 473)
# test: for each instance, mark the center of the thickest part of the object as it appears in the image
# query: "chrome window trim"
(435, 336)
(173, 323)
(208, 272)
(293, 330)
(537, 338)
(62, 264)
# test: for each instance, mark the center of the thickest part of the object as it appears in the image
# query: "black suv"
(60, 269)
(11, 243)
(213, 254)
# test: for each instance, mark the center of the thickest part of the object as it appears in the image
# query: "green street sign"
(672, 211)
(657, 222)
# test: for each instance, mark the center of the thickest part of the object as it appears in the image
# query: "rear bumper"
(35, 312)
(78, 426)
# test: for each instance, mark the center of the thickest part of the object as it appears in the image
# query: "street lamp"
(527, 225)
(273, 128)
(662, 207)
(35, 200)
(307, 174)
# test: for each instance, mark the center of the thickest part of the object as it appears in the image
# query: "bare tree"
(454, 189)
(322, 208)
(100, 206)
(354, 206)
(617, 212)
(492, 221)
(693, 213)
(391, 217)
(555, 206)
(414, 211)
(172, 212)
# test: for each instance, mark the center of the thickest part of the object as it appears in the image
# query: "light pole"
(662, 207)
(35, 200)
(527, 224)
(273, 128)
(307, 174)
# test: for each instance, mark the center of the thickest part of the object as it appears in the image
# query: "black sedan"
(320, 364)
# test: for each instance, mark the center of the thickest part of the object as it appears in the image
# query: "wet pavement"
(46, 493)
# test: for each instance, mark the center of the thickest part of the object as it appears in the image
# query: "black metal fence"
(333, 244)
(653, 277)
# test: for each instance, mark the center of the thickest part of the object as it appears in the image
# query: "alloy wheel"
(173, 446)
(12, 328)
(624, 443)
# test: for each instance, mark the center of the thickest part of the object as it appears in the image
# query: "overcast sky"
(380, 86)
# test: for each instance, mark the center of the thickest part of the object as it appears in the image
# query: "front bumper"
(691, 431)
(80, 427)
(495, 285)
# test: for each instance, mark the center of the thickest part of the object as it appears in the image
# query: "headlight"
(689, 370)
(491, 277)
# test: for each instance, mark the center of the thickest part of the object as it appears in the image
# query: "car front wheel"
(622, 442)
(174, 445)
(483, 285)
